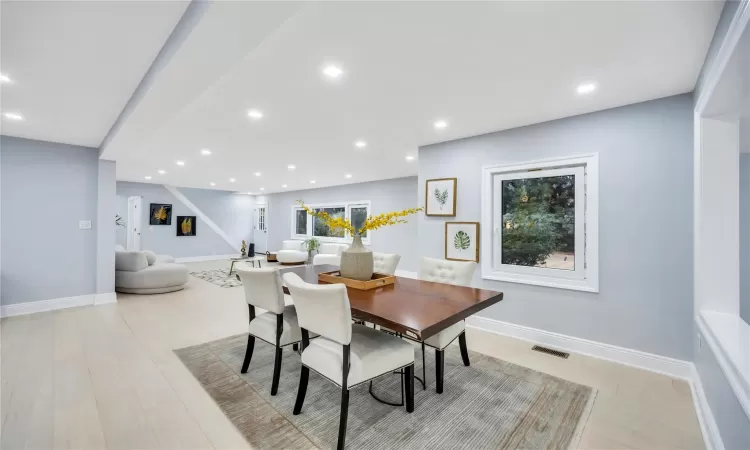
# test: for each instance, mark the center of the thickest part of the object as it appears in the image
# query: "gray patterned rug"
(219, 277)
(490, 405)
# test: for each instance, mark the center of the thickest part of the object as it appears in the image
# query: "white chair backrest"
(262, 287)
(292, 245)
(449, 272)
(322, 308)
(385, 262)
(332, 249)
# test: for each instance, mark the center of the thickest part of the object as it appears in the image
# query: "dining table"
(411, 307)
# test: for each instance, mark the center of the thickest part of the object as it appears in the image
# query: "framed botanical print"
(186, 226)
(440, 197)
(462, 241)
(160, 214)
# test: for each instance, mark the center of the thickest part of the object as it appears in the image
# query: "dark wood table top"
(422, 308)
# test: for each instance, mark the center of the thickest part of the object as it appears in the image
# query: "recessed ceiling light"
(212, 183)
(205, 152)
(257, 174)
(360, 144)
(262, 189)
(13, 116)
(283, 185)
(5, 78)
(291, 167)
(249, 193)
(232, 180)
(312, 181)
(254, 114)
(161, 171)
(148, 177)
(440, 124)
(348, 175)
(409, 158)
(180, 163)
(333, 71)
(586, 88)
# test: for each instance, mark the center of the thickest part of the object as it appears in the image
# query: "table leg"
(231, 267)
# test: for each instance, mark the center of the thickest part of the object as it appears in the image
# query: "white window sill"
(729, 338)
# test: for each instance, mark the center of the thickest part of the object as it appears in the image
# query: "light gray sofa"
(147, 273)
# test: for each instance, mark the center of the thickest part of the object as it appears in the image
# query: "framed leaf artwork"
(186, 226)
(462, 241)
(160, 214)
(440, 197)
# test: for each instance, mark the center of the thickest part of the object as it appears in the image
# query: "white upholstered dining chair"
(450, 272)
(346, 354)
(385, 263)
(278, 326)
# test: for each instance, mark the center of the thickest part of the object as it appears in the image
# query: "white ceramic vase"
(356, 261)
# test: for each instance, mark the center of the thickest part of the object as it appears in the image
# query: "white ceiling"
(481, 66)
(75, 64)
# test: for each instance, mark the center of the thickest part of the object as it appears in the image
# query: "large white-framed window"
(305, 226)
(540, 223)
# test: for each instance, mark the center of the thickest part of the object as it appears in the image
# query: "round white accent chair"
(146, 273)
(346, 354)
(450, 272)
(385, 263)
(292, 252)
(329, 254)
(278, 326)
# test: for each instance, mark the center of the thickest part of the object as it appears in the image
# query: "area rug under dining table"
(491, 404)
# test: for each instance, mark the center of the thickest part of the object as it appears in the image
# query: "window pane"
(539, 222)
(300, 224)
(320, 229)
(358, 216)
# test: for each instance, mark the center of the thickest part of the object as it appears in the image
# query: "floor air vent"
(549, 351)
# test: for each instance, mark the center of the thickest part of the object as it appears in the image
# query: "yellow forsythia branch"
(371, 222)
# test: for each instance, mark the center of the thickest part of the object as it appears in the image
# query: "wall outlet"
(84, 224)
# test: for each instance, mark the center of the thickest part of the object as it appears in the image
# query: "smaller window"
(300, 222)
(540, 223)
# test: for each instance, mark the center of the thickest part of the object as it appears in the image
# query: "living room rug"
(491, 404)
(219, 277)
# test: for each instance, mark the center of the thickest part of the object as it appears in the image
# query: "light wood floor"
(105, 377)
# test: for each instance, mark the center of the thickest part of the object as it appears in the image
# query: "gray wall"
(745, 237)
(46, 189)
(105, 227)
(733, 423)
(645, 221)
(163, 239)
(233, 213)
(385, 196)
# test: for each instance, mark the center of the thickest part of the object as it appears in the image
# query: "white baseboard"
(634, 358)
(407, 274)
(20, 309)
(103, 299)
(710, 430)
(205, 258)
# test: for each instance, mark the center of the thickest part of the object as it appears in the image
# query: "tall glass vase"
(356, 261)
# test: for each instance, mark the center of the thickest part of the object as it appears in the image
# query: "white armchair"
(292, 252)
(329, 254)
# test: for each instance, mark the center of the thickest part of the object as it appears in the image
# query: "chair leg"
(344, 417)
(248, 353)
(276, 372)
(295, 347)
(439, 369)
(424, 370)
(464, 350)
(409, 382)
(302, 390)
